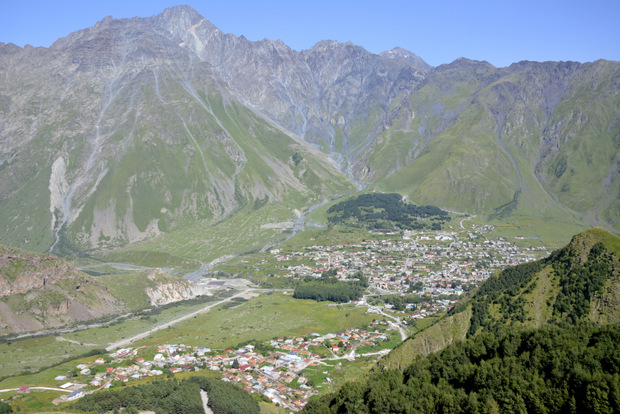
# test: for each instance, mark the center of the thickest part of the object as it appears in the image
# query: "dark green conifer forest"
(558, 368)
(172, 397)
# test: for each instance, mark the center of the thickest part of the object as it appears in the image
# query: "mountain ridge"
(224, 117)
(529, 296)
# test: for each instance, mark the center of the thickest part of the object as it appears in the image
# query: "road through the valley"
(127, 341)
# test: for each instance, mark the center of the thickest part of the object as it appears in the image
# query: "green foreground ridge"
(558, 368)
(568, 363)
(173, 397)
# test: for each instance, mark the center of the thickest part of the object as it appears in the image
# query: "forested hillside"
(572, 279)
(554, 369)
(539, 337)
(386, 211)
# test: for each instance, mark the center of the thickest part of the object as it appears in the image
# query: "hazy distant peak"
(9, 48)
(398, 53)
(469, 62)
(332, 44)
(181, 12)
(184, 17)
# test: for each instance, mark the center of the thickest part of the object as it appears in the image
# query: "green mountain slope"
(41, 291)
(580, 282)
(530, 140)
(513, 346)
(131, 139)
(552, 369)
(149, 128)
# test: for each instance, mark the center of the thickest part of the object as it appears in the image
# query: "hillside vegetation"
(157, 130)
(172, 397)
(512, 345)
(40, 291)
(386, 212)
(529, 370)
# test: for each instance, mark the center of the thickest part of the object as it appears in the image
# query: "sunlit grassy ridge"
(486, 141)
(529, 295)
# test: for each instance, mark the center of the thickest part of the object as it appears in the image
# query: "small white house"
(75, 395)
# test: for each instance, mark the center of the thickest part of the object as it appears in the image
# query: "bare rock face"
(146, 123)
(21, 272)
(39, 291)
(167, 289)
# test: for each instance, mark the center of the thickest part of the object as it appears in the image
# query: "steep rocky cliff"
(40, 291)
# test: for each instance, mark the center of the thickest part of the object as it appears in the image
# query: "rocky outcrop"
(222, 117)
(168, 289)
(21, 272)
(39, 291)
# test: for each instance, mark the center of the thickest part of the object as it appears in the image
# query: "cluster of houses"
(281, 372)
(288, 371)
(433, 264)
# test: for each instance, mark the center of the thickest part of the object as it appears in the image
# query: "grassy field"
(204, 241)
(338, 372)
(32, 401)
(261, 318)
(34, 354)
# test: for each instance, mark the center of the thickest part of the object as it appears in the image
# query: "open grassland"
(204, 241)
(261, 319)
(552, 232)
(269, 408)
(148, 258)
(33, 401)
(338, 372)
(608, 239)
(127, 288)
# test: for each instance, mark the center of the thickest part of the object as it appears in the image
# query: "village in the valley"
(436, 268)
(286, 371)
(428, 271)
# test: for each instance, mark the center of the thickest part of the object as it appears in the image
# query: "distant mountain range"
(137, 127)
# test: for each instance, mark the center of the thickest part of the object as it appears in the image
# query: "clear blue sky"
(498, 31)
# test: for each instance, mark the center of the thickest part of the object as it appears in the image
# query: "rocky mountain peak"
(398, 53)
(333, 45)
(181, 14)
(181, 20)
(9, 49)
(175, 87)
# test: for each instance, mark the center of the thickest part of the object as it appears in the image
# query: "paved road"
(205, 401)
(127, 341)
(38, 388)
(351, 355)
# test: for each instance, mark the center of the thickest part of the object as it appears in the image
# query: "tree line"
(380, 210)
(580, 282)
(553, 369)
(172, 397)
(327, 287)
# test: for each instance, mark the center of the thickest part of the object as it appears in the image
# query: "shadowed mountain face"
(120, 132)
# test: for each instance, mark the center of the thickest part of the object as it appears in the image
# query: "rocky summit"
(134, 128)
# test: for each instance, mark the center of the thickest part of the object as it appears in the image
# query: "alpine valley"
(167, 188)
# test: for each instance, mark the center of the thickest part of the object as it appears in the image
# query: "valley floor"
(268, 343)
